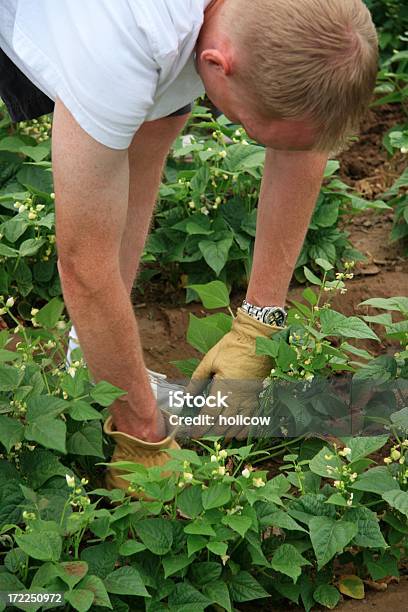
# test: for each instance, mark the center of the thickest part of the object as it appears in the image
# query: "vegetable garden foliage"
(217, 532)
(206, 217)
(204, 226)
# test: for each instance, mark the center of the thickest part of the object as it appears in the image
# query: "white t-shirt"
(113, 63)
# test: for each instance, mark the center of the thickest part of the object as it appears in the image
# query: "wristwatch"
(271, 315)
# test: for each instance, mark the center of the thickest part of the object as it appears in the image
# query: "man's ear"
(217, 60)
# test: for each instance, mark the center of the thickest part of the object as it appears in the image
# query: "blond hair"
(307, 59)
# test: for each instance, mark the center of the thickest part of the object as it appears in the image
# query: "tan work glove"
(129, 448)
(235, 369)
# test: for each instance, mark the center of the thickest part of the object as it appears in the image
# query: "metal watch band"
(271, 315)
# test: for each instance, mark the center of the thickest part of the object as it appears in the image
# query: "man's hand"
(236, 371)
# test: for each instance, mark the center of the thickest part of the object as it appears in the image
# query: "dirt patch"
(366, 165)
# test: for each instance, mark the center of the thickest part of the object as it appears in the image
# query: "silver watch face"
(275, 316)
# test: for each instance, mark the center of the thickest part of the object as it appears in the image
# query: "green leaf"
(126, 581)
(217, 494)
(335, 324)
(37, 179)
(37, 153)
(172, 565)
(212, 295)
(238, 523)
(82, 411)
(186, 366)
(30, 247)
(50, 314)
(80, 599)
(40, 544)
(288, 560)
(86, 441)
(394, 303)
(45, 407)
(105, 394)
(6, 251)
(381, 566)
(369, 533)
(185, 598)
(202, 334)
(9, 378)
(51, 433)
(189, 502)
(311, 277)
(376, 480)
(156, 534)
(218, 548)
(216, 253)
(310, 296)
(101, 558)
(398, 500)
(283, 520)
(364, 446)
(217, 592)
(323, 263)
(131, 547)
(326, 463)
(96, 586)
(195, 543)
(205, 572)
(327, 596)
(11, 432)
(330, 537)
(201, 526)
(40, 465)
(243, 587)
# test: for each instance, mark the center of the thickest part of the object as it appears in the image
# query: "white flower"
(70, 481)
(258, 482)
(32, 216)
(224, 559)
(346, 451)
(395, 454)
(71, 371)
(22, 208)
(188, 476)
(337, 484)
(246, 473)
(34, 311)
(214, 459)
(61, 325)
(10, 302)
(222, 154)
(52, 196)
(223, 454)
(221, 470)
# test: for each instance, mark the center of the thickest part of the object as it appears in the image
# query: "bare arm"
(93, 211)
(290, 187)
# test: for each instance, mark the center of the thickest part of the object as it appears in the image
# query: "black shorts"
(25, 101)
